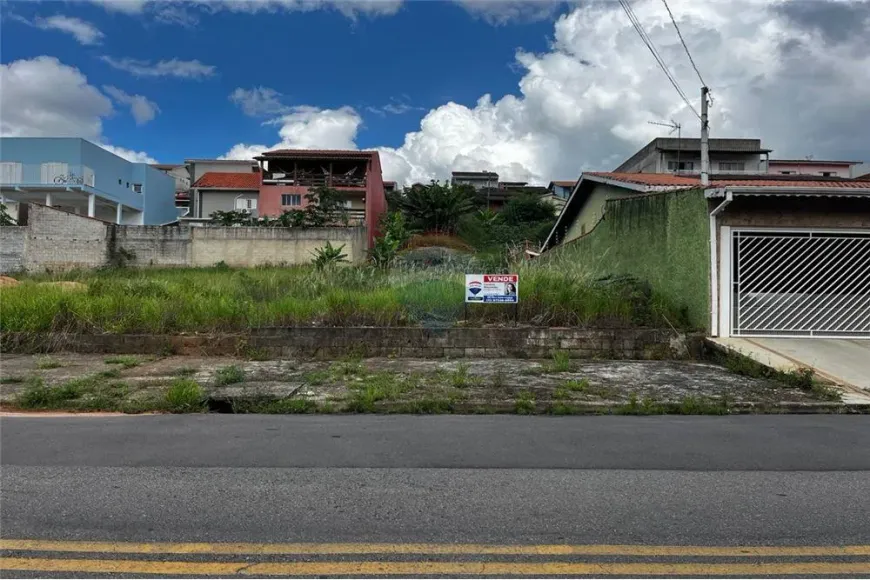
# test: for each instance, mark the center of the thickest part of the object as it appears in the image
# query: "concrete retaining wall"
(55, 240)
(305, 342)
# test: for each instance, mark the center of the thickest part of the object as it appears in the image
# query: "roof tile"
(760, 180)
(215, 179)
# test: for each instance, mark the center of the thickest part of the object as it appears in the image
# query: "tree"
(232, 218)
(5, 218)
(394, 235)
(326, 207)
(527, 208)
(292, 218)
(436, 207)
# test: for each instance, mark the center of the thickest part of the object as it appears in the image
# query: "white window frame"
(245, 203)
(291, 195)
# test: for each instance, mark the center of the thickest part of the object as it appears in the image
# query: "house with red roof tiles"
(222, 185)
(746, 255)
(288, 175)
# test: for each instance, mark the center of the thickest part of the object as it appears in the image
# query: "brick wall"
(58, 240)
(329, 343)
(12, 243)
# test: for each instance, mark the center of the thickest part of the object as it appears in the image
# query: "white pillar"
(48, 199)
(119, 212)
(92, 205)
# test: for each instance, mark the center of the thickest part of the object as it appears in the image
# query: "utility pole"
(705, 145)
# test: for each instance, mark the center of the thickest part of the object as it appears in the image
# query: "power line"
(638, 27)
(649, 44)
(680, 34)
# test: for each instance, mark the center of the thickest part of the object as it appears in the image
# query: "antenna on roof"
(673, 126)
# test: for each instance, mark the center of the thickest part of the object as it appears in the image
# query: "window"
(137, 187)
(119, 182)
(786, 172)
(10, 172)
(681, 166)
(245, 204)
(827, 173)
(293, 199)
(732, 166)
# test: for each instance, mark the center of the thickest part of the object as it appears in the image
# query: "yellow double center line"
(428, 567)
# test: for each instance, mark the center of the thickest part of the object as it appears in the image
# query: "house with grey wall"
(222, 185)
(670, 155)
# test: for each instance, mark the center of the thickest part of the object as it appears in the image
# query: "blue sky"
(533, 89)
(428, 53)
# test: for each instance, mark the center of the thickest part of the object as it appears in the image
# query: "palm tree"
(436, 207)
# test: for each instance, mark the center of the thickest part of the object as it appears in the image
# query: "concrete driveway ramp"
(845, 362)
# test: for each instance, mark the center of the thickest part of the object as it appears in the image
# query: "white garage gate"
(797, 283)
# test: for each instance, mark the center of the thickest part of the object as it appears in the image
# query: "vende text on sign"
(492, 288)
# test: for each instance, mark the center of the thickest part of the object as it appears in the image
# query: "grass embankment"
(223, 299)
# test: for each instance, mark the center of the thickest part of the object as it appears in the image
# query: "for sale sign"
(503, 288)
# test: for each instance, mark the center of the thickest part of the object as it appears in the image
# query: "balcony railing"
(313, 179)
(54, 174)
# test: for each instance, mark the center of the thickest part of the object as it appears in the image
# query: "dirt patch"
(141, 384)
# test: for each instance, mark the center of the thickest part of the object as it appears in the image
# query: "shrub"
(328, 256)
(185, 396)
(229, 375)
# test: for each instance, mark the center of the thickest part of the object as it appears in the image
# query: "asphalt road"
(506, 480)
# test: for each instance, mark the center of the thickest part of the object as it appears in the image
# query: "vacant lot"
(223, 299)
(558, 386)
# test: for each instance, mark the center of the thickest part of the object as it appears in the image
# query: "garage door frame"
(726, 257)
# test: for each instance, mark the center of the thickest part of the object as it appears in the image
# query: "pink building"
(811, 167)
(288, 174)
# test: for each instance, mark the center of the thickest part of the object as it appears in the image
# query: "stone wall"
(55, 240)
(307, 342)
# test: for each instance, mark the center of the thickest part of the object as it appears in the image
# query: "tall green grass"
(220, 299)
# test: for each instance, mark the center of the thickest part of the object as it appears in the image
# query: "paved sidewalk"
(842, 361)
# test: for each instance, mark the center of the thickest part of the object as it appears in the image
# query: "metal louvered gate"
(800, 284)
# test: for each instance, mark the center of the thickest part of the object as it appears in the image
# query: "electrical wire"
(680, 34)
(638, 27)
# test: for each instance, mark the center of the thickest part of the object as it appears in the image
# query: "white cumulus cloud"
(795, 74)
(84, 32)
(128, 154)
(42, 97)
(142, 109)
(259, 101)
(308, 128)
(187, 69)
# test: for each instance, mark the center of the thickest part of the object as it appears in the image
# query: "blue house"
(80, 177)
